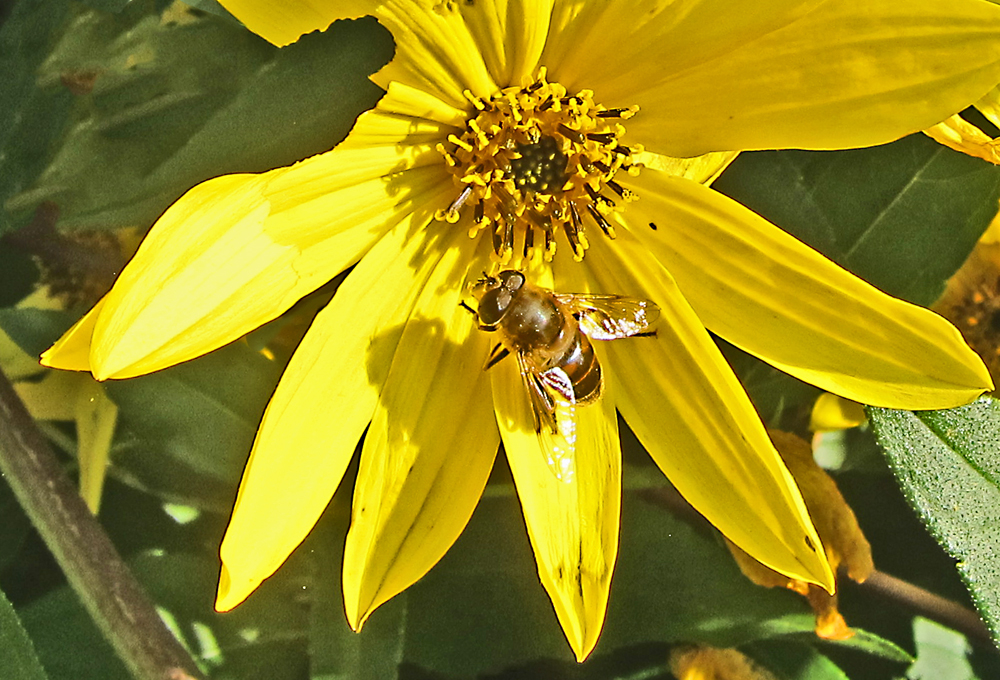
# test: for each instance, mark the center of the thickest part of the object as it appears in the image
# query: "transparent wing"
(553, 406)
(610, 317)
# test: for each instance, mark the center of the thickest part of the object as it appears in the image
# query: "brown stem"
(109, 591)
(929, 605)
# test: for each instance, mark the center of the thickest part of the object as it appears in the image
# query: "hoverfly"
(549, 335)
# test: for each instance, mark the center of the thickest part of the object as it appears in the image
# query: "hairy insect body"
(547, 333)
(548, 337)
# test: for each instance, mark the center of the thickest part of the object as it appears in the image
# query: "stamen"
(457, 204)
(626, 194)
(601, 138)
(572, 135)
(601, 222)
(529, 242)
(597, 198)
(530, 158)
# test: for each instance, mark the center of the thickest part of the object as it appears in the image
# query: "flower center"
(534, 160)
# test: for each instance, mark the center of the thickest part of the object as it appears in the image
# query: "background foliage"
(110, 109)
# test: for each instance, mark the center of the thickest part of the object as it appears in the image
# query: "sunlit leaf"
(942, 654)
(946, 464)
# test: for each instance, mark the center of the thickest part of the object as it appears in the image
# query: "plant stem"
(110, 593)
(931, 606)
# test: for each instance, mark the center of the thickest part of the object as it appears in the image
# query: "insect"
(549, 335)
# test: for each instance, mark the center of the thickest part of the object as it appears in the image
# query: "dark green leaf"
(263, 638)
(671, 584)
(68, 643)
(17, 655)
(946, 463)
(29, 117)
(162, 105)
(34, 330)
(194, 424)
(789, 660)
(875, 645)
(336, 652)
(13, 529)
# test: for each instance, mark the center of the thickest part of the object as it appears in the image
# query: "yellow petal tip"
(229, 595)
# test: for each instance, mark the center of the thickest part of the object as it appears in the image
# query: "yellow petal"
(959, 134)
(591, 46)
(846, 75)
(236, 251)
(436, 51)
(96, 417)
(301, 452)
(683, 402)
(831, 412)
(417, 105)
(989, 105)
(573, 525)
(431, 445)
(54, 397)
(72, 351)
(283, 22)
(703, 169)
(776, 298)
(510, 35)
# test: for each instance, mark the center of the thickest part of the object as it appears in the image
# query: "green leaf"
(166, 102)
(335, 651)
(194, 423)
(789, 660)
(946, 464)
(903, 216)
(874, 645)
(34, 330)
(14, 528)
(17, 655)
(942, 654)
(29, 117)
(263, 637)
(671, 584)
(185, 431)
(68, 642)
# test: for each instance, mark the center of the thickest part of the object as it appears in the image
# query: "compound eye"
(493, 305)
(511, 280)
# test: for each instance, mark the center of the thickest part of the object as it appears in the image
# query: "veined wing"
(610, 317)
(553, 406)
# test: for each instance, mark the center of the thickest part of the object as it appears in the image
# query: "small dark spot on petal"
(810, 544)
(652, 225)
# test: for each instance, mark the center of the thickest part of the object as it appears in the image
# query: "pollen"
(535, 163)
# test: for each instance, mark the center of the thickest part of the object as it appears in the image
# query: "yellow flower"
(620, 100)
(961, 135)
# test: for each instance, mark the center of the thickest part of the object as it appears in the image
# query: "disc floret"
(537, 160)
